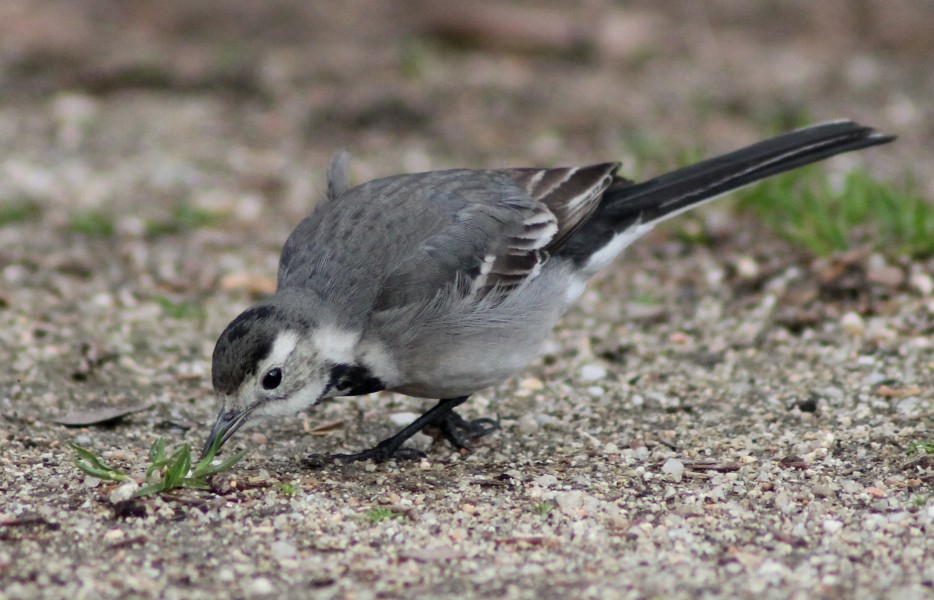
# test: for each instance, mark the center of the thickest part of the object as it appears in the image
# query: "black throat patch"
(353, 380)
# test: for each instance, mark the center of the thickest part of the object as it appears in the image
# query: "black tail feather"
(624, 204)
(679, 189)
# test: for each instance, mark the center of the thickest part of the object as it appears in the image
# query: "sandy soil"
(726, 419)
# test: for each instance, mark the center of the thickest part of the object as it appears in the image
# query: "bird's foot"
(442, 418)
(381, 452)
(458, 431)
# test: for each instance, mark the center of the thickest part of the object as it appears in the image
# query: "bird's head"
(266, 363)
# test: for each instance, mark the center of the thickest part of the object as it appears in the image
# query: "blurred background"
(155, 155)
(143, 96)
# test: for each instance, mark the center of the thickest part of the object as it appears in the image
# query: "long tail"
(629, 210)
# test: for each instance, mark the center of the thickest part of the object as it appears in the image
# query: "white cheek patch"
(304, 398)
(335, 345)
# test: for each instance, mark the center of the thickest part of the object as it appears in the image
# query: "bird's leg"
(392, 447)
(458, 431)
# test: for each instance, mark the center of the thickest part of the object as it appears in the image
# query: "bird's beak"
(227, 423)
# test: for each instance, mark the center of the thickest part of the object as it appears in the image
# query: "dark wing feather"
(572, 194)
(566, 198)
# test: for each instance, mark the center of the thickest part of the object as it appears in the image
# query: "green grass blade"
(204, 470)
(88, 462)
(178, 469)
(148, 490)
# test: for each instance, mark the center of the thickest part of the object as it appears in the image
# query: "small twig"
(138, 539)
(489, 483)
(532, 540)
(324, 428)
(31, 520)
(712, 466)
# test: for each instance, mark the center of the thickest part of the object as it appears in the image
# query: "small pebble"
(261, 586)
(528, 424)
(282, 550)
(592, 372)
(853, 324)
(885, 275)
(922, 283)
(533, 384)
(747, 268)
(402, 419)
(673, 468)
(123, 492)
(546, 481)
(570, 502)
(832, 526)
(114, 535)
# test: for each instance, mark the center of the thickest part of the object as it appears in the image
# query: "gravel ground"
(728, 419)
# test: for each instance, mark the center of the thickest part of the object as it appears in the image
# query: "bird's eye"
(272, 379)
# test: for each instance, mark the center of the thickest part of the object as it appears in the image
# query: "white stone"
(546, 481)
(674, 468)
(852, 324)
(403, 418)
(123, 492)
(922, 283)
(832, 526)
(528, 424)
(592, 372)
(261, 586)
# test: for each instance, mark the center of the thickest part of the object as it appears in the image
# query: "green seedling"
(287, 488)
(543, 509)
(184, 217)
(185, 309)
(175, 468)
(920, 448)
(380, 514)
(93, 224)
(16, 211)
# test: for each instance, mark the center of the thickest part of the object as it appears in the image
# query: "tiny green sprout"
(185, 309)
(920, 448)
(93, 224)
(920, 501)
(542, 508)
(287, 488)
(646, 298)
(18, 210)
(184, 217)
(380, 514)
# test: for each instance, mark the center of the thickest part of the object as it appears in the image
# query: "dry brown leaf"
(890, 392)
(254, 284)
(98, 415)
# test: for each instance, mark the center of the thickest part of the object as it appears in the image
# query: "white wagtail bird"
(440, 284)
